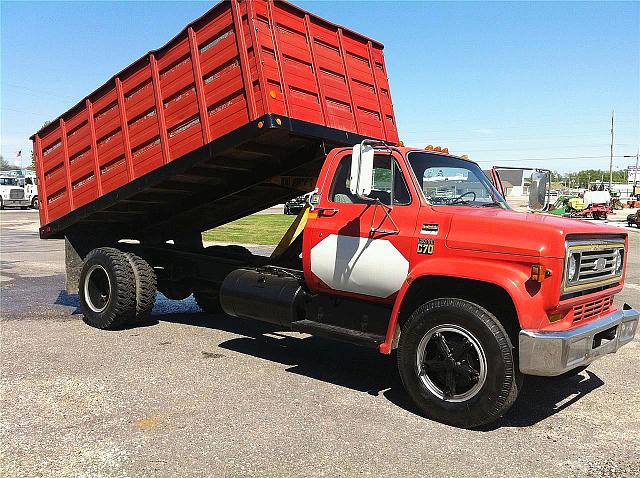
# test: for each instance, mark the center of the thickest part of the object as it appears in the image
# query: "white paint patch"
(356, 264)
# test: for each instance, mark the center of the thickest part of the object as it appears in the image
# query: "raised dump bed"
(231, 116)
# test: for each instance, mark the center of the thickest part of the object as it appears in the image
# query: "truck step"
(356, 337)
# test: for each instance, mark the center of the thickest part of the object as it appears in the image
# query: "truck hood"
(511, 232)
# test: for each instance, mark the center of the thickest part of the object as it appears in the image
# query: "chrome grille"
(592, 309)
(596, 263)
(17, 193)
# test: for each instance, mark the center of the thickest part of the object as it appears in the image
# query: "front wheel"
(457, 363)
(34, 203)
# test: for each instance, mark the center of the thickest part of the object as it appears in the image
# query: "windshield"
(8, 182)
(450, 181)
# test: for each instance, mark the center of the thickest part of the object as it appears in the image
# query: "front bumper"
(554, 353)
(15, 202)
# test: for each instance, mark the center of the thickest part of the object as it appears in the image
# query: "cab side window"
(381, 187)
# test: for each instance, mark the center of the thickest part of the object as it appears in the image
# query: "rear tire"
(457, 363)
(107, 289)
(209, 302)
(146, 285)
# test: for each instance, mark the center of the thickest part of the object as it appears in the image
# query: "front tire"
(107, 289)
(457, 363)
(34, 203)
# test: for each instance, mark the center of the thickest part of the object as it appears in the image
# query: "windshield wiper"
(492, 204)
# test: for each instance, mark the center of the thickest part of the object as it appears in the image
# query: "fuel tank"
(268, 295)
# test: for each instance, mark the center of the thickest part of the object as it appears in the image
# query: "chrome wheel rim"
(97, 288)
(451, 363)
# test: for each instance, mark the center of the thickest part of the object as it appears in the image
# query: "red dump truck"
(398, 248)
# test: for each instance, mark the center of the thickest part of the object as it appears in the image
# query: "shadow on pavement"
(366, 370)
(361, 369)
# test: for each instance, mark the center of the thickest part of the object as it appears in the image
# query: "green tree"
(6, 165)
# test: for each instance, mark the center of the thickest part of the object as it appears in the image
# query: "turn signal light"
(539, 273)
(555, 317)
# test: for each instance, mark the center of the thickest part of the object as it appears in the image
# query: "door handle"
(392, 232)
(327, 211)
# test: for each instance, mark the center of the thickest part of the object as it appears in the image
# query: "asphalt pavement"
(191, 394)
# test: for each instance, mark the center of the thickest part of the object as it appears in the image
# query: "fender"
(510, 276)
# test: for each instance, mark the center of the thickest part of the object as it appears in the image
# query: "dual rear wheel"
(115, 288)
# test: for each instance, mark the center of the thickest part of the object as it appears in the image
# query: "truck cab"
(30, 184)
(11, 193)
(471, 293)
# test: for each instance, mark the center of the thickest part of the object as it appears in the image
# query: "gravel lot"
(191, 394)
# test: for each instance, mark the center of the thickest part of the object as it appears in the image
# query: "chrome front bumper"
(16, 202)
(553, 353)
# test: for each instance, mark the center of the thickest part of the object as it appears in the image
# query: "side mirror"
(538, 190)
(361, 178)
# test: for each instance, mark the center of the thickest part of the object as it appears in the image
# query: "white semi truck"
(11, 193)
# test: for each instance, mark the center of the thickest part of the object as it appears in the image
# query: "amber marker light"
(539, 273)
(429, 147)
(445, 150)
(437, 149)
(273, 94)
(555, 317)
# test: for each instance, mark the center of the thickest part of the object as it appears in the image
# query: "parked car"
(295, 205)
(634, 219)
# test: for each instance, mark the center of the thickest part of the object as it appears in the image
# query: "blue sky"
(507, 83)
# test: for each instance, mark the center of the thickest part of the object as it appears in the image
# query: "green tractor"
(573, 206)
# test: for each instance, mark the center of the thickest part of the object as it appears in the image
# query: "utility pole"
(613, 113)
(635, 172)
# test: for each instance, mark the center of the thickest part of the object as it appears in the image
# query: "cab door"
(361, 246)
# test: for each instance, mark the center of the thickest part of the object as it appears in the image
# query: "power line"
(40, 92)
(543, 159)
(22, 111)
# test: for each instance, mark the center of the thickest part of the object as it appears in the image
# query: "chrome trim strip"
(554, 353)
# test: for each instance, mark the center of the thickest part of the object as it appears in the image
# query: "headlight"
(572, 270)
(619, 261)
